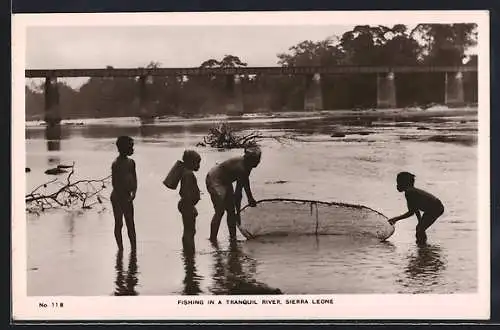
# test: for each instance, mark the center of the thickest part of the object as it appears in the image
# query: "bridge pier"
(53, 137)
(386, 90)
(52, 108)
(454, 89)
(146, 106)
(234, 101)
(313, 98)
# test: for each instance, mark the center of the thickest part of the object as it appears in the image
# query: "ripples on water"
(315, 158)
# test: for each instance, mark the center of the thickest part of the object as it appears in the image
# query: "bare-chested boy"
(124, 180)
(190, 196)
(220, 186)
(418, 200)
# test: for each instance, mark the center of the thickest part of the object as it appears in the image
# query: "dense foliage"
(426, 44)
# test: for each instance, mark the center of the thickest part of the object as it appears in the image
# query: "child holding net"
(418, 201)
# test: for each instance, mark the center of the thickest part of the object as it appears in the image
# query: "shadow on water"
(233, 273)
(191, 279)
(424, 268)
(126, 282)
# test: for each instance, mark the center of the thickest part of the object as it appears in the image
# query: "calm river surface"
(74, 253)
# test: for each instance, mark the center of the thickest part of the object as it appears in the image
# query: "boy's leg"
(128, 212)
(216, 219)
(420, 235)
(189, 222)
(231, 213)
(188, 248)
(118, 214)
(217, 198)
(231, 225)
(428, 218)
(188, 238)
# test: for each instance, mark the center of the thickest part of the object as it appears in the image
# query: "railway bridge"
(313, 98)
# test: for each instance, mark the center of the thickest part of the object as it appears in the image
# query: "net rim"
(298, 200)
(248, 235)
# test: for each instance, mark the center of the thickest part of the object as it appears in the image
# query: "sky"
(129, 46)
(74, 47)
(172, 46)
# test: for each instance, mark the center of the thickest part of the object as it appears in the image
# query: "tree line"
(425, 44)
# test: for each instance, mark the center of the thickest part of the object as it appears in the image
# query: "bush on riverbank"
(222, 136)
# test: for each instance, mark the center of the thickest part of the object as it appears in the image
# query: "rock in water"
(55, 171)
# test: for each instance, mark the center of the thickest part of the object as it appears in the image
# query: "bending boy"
(418, 200)
(219, 183)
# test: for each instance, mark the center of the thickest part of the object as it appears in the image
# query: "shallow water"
(74, 253)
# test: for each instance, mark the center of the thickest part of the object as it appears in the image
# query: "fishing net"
(284, 217)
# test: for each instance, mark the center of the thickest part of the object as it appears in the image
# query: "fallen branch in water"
(66, 194)
(222, 136)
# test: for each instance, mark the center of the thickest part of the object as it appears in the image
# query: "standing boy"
(190, 196)
(124, 181)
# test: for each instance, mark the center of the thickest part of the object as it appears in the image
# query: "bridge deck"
(135, 72)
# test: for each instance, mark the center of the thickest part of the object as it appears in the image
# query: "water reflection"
(387, 245)
(149, 131)
(425, 268)
(53, 137)
(70, 222)
(234, 271)
(126, 281)
(191, 279)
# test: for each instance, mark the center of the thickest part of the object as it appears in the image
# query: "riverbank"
(398, 114)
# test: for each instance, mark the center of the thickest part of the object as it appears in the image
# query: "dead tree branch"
(66, 194)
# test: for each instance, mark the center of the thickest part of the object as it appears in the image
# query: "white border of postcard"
(359, 306)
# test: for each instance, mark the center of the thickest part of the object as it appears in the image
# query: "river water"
(74, 253)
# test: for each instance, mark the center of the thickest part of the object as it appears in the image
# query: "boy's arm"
(411, 210)
(189, 189)
(134, 180)
(113, 175)
(238, 195)
(243, 183)
(248, 191)
(401, 217)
